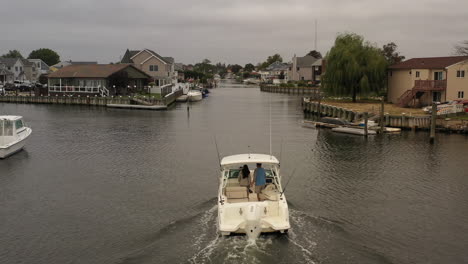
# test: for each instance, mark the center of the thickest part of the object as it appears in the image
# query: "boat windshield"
(6, 128)
(234, 173)
(19, 124)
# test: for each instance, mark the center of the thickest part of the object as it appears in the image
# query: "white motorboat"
(239, 211)
(194, 95)
(13, 135)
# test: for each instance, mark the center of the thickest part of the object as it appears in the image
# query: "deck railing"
(73, 89)
(430, 85)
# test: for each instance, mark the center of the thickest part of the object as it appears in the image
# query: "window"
(153, 67)
(19, 124)
(6, 128)
(410, 72)
(9, 68)
(417, 74)
(21, 68)
(461, 94)
(437, 76)
(16, 68)
(461, 74)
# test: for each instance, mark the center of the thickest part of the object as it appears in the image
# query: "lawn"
(373, 106)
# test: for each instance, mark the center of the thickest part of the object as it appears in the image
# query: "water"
(97, 185)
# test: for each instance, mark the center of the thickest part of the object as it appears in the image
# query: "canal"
(97, 185)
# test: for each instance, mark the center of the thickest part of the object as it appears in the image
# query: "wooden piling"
(433, 123)
(365, 124)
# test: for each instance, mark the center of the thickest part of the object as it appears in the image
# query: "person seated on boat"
(259, 180)
(244, 178)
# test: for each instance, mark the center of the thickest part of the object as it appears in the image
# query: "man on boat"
(259, 180)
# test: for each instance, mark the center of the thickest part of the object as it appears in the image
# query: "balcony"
(430, 85)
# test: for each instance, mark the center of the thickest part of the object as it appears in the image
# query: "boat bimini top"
(229, 161)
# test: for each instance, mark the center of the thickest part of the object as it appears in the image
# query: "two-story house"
(16, 66)
(420, 81)
(161, 69)
(307, 68)
(39, 68)
(6, 76)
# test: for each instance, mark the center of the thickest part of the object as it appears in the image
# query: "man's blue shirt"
(260, 177)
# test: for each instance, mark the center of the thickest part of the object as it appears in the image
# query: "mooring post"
(365, 123)
(433, 122)
(382, 115)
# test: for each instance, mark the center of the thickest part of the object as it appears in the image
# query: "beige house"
(161, 69)
(420, 81)
(307, 68)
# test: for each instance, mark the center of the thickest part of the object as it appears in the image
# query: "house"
(28, 69)
(16, 66)
(6, 76)
(420, 81)
(97, 79)
(179, 68)
(40, 68)
(62, 64)
(307, 68)
(275, 71)
(161, 69)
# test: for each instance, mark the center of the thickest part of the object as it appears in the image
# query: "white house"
(39, 68)
(15, 66)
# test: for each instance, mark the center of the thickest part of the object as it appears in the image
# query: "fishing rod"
(292, 175)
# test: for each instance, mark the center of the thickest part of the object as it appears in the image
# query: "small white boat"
(13, 135)
(353, 131)
(239, 211)
(194, 95)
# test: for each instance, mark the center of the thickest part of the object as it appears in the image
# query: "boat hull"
(253, 218)
(10, 149)
(195, 97)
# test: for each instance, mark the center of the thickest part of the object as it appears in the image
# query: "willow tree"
(354, 67)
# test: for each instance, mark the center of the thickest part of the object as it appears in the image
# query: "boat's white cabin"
(10, 128)
(231, 189)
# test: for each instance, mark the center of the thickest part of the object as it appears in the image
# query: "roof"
(249, 158)
(277, 66)
(317, 62)
(9, 62)
(10, 117)
(178, 66)
(90, 71)
(129, 54)
(5, 72)
(70, 62)
(43, 64)
(429, 63)
(306, 61)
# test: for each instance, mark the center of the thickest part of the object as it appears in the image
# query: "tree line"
(49, 56)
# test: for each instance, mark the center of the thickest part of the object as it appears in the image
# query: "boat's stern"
(253, 218)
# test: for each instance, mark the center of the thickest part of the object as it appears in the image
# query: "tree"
(235, 68)
(249, 67)
(389, 51)
(270, 60)
(49, 56)
(462, 48)
(354, 67)
(12, 54)
(315, 54)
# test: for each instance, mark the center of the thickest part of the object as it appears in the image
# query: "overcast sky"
(234, 31)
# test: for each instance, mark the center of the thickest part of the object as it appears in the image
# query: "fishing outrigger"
(240, 210)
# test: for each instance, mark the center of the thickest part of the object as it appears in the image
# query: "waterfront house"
(307, 68)
(420, 81)
(6, 76)
(15, 66)
(39, 68)
(97, 79)
(161, 69)
(277, 72)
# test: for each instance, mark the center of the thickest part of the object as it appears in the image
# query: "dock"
(141, 107)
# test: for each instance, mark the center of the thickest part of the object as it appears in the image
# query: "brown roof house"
(97, 79)
(420, 81)
(161, 69)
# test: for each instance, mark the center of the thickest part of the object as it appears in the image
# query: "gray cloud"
(237, 31)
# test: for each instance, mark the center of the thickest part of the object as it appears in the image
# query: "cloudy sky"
(234, 31)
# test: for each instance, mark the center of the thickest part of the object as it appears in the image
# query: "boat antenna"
(292, 175)
(217, 151)
(248, 151)
(270, 122)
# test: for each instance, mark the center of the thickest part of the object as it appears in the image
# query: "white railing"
(104, 91)
(75, 89)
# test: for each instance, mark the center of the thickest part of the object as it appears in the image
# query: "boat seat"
(234, 192)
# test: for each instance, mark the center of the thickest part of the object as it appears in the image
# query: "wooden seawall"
(289, 90)
(408, 122)
(94, 101)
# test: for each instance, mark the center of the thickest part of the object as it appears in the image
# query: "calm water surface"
(97, 185)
